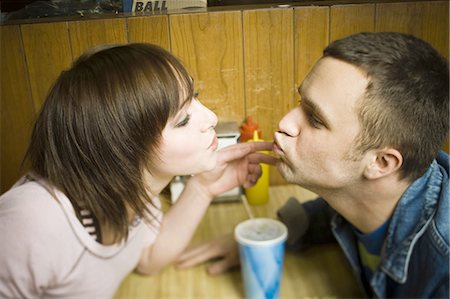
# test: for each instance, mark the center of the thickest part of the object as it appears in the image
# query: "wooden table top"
(321, 271)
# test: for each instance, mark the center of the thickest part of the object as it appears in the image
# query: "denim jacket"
(415, 258)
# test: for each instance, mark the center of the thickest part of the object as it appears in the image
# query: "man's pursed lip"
(276, 148)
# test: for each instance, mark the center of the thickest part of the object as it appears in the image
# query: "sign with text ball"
(161, 5)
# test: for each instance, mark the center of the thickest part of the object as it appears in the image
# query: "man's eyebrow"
(312, 107)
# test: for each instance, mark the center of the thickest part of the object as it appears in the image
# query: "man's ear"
(383, 162)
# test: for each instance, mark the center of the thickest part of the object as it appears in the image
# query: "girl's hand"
(225, 248)
(237, 165)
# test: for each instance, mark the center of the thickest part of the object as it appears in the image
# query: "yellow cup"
(259, 193)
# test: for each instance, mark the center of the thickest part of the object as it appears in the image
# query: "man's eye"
(314, 121)
(184, 122)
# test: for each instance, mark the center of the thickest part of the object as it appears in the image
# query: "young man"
(366, 138)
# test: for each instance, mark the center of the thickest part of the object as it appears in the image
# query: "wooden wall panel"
(88, 34)
(349, 19)
(269, 69)
(426, 20)
(269, 66)
(311, 36)
(47, 53)
(153, 29)
(210, 45)
(16, 106)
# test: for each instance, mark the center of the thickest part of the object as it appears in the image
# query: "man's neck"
(368, 204)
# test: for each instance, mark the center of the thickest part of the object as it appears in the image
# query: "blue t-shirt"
(369, 247)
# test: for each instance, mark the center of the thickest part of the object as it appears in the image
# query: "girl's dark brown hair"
(100, 126)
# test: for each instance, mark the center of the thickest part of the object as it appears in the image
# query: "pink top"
(46, 252)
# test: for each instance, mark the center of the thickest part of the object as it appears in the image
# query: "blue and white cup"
(261, 248)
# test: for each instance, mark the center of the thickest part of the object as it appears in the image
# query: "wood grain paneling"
(210, 46)
(47, 53)
(269, 69)
(16, 106)
(311, 37)
(153, 29)
(349, 19)
(88, 34)
(426, 20)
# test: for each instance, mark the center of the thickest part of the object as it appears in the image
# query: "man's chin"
(284, 169)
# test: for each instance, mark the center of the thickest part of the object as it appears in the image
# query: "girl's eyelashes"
(184, 122)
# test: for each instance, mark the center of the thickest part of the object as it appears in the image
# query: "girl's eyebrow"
(313, 107)
(188, 99)
(185, 103)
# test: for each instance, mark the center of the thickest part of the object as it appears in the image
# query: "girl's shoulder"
(28, 200)
(33, 213)
(37, 244)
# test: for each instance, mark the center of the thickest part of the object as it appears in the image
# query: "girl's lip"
(214, 144)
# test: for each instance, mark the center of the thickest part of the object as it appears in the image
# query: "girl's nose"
(213, 118)
(210, 118)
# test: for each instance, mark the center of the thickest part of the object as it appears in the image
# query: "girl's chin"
(207, 167)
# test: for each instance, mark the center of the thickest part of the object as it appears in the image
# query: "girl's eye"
(196, 94)
(184, 122)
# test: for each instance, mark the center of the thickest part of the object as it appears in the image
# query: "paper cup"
(261, 248)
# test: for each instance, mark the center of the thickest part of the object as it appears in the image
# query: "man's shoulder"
(443, 159)
(441, 221)
(438, 189)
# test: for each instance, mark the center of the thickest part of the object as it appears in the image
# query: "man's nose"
(290, 123)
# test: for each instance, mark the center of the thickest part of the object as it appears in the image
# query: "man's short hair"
(405, 105)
